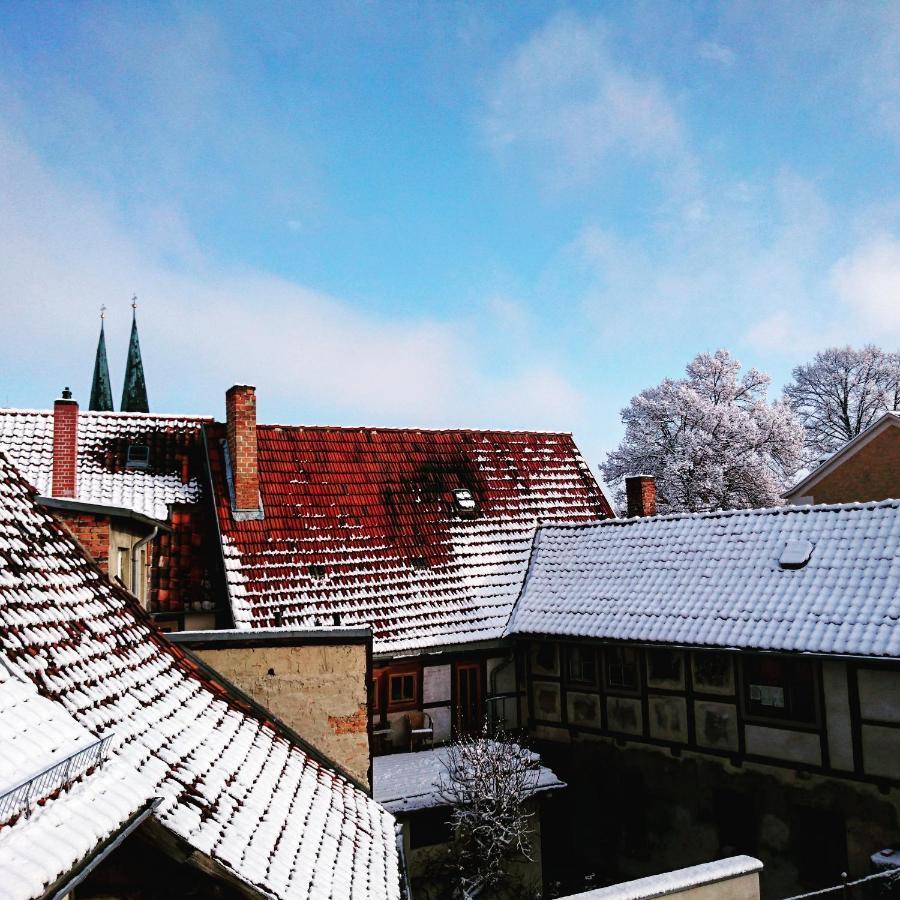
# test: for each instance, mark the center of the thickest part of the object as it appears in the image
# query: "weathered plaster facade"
(316, 685)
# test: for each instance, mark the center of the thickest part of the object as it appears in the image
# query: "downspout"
(136, 559)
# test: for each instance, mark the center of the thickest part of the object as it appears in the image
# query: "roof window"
(796, 554)
(464, 500)
(138, 456)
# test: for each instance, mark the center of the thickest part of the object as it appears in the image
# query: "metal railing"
(888, 880)
(22, 798)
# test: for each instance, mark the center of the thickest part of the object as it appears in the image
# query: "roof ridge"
(723, 513)
(409, 429)
(117, 414)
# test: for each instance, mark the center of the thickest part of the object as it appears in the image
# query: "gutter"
(60, 888)
(99, 509)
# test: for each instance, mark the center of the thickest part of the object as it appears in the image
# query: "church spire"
(101, 390)
(134, 391)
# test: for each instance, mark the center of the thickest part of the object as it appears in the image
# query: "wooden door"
(468, 698)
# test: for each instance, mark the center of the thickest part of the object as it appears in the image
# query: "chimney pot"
(240, 416)
(640, 492)
(65, 445)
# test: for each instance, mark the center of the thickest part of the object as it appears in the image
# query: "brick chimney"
(240, 416)
(65, 445)
(640, 491)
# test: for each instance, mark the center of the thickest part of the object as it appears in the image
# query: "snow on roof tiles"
(714, 579)
(231, 785)
(26, 437)
(180, 580)
(406, 782)
(35, 733)
(364, 523)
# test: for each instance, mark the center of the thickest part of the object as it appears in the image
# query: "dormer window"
(138, 456)
(464, 500)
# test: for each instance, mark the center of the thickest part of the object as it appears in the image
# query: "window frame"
(404, 704)
(637, 665)
(583, 684)
(770, 714)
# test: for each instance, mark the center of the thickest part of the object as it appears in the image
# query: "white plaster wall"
(881, 751)
(436, 684)
(879, 694)
(779, 743)
(837, 714)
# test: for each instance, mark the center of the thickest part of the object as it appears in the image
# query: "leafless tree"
(487, 781)
(841, 392)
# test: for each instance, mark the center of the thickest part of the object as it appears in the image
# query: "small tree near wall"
(487, 782)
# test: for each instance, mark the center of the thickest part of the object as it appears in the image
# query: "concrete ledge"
(684, 881)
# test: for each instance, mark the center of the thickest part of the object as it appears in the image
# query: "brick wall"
(872, 473)
(240, 414)
(318, 690)
(92, 532)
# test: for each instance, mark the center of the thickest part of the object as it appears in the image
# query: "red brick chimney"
(640, 491)
(65, 445)
(240, 416)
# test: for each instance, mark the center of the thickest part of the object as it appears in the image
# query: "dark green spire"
(101, 390)
(134, 392)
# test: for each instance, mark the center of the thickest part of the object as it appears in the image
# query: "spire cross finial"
(134, 301)
(102, 312)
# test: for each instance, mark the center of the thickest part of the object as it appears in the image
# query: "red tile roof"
(363, 523)
(233, 786)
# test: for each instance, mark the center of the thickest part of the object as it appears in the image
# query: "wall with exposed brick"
(92, 532)
(240, 414)
(319, 690)
(871, 473)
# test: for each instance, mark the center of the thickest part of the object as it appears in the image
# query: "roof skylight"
(138, 457)
(464, 500)
(796, 554)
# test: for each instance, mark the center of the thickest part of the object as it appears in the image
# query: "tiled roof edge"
(409, 429)
(787, 509)
(509, 628)
(193, 417)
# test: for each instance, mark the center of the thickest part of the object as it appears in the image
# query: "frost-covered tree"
(841, 392)
(487, 781)
(712, 439)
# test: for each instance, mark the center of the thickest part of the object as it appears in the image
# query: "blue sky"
(498, 214)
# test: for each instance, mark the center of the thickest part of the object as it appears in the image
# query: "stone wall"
(319, 690)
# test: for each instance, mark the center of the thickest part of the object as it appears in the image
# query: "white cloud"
(713, 51)
(563, 94)
(867, 281)
(204, 327)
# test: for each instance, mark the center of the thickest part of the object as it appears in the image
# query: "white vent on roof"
(464, 500)
(795, 555)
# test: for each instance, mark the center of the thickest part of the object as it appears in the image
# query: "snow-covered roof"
(232, 785)
(366, 524)
(62, 826)
(102, 477)
(716, 580)
(406, 782)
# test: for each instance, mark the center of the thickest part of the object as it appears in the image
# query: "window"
(402, 689)
(138, 456)
(316, 571)
(123, 566)
(778, 687)
(376, 692)
(581, 665)
(664, 669)
(464, 500)
(622, 669)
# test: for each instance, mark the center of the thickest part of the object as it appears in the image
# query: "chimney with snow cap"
(640, 492)
(65, 445)
(240, 417)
